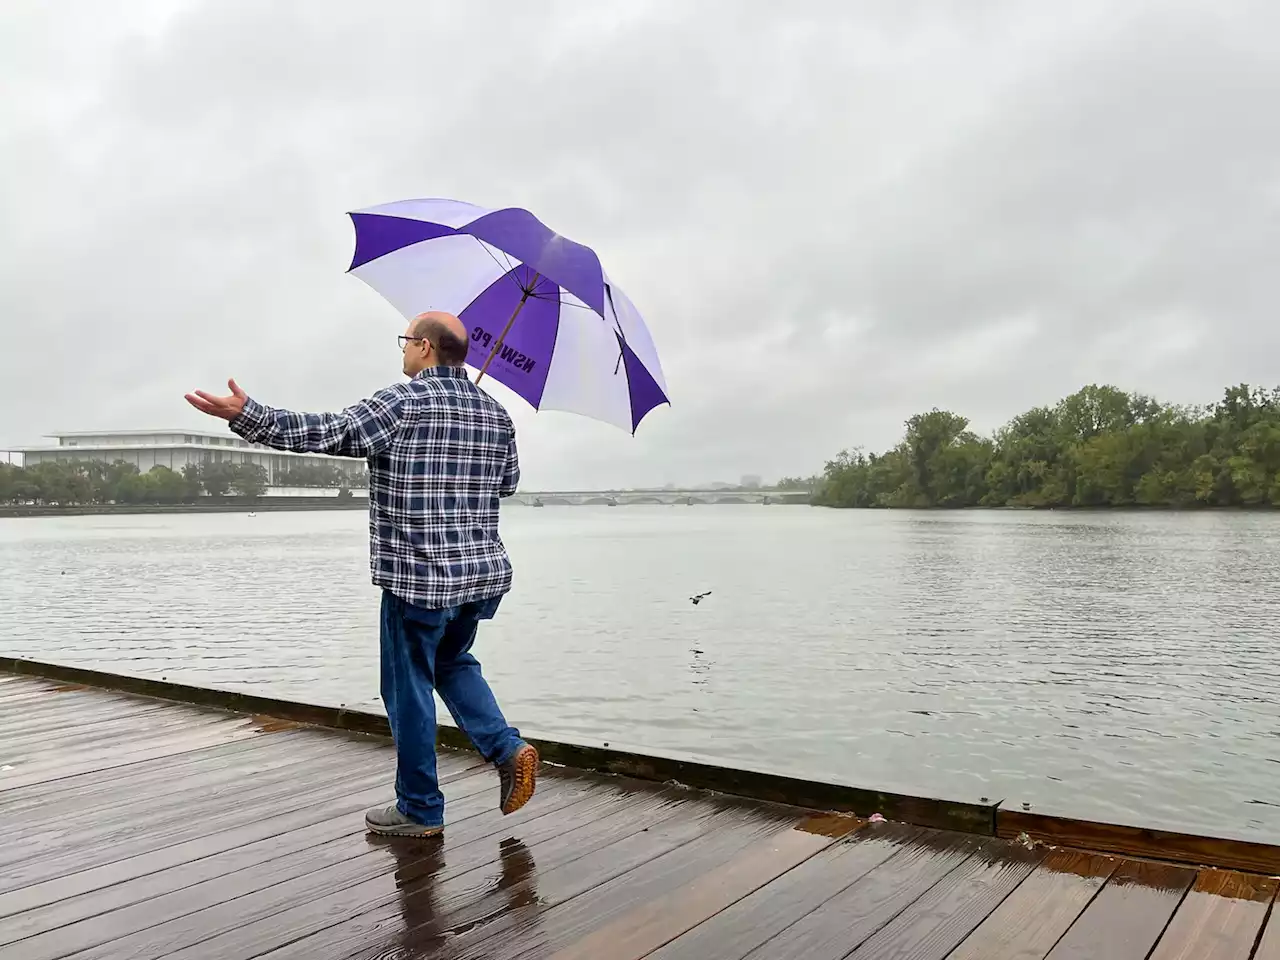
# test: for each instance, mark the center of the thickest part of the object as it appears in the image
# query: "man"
(441, 453)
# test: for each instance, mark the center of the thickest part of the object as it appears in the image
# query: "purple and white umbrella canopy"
(544, 318)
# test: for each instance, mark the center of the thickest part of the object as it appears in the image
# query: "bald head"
(445, 333)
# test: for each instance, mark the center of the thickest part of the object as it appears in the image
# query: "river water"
(1118, 666)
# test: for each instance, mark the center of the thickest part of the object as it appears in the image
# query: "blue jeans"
(424, 651)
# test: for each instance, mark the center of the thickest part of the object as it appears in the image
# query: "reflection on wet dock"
(139, 828)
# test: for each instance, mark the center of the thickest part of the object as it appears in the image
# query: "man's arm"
(511, 472)
(361, 430)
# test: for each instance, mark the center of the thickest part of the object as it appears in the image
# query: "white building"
(175, 449)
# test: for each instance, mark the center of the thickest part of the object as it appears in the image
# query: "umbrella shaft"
(507, 329)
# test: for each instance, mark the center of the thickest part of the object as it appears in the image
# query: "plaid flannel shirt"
(441, 453)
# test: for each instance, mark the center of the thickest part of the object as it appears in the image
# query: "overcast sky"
(831, 214)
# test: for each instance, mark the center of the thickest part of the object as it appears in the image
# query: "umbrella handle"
(507, 329)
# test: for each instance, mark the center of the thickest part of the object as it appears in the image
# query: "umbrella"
(544, 318)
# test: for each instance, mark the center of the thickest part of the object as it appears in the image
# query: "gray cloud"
(832, 215)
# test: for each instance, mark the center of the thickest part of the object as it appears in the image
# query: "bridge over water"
(619, 498)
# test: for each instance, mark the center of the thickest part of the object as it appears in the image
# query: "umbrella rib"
(511, 267)
(509, 270)
(622, 335)
(577, 306)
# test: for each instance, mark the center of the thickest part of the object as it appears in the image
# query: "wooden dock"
(140, 828)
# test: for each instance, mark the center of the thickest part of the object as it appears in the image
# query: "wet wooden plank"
(146, 774)
(12, 701)
(540, 929)
(63, 730)
(39, 763)
(37, 707)
(48, 770)
(848, 919)
(49, 692)
(146, 928)
(1269, 945)
(93, 721)
(148, 816)
(439, 868)
(234, 701)
(1243, 855)
(1035, 916)
(1128, 915)
(32, 693)
(734, 932)
(51, 704)
(468, 845)
(146, 890)
(65, 717)
(43, 744)
(220, 818)
(271, 750)
(27, 802)
(934, 925)
(137, 864)
(378, 919)
(645, 927)
(1220, 918)
(143, 769)
(269, 756)
(86, 761)
(11, 694)
(63, 733)
(60, 912)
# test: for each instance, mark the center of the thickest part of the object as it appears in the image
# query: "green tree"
(1099, 447)
(12, 479)
(73, 483)
(162, 485)
(249, 479)
(191, 485)
(846, 481)
(59, 483)
(216, 478)
(1095, 410)
(308, 473)
(112, 482)
(798, 483)
(929, 436)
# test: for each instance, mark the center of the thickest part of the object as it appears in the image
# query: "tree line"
(328, 475)
(96, 482)
(1099, 447)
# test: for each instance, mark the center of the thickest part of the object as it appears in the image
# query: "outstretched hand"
(225, 408)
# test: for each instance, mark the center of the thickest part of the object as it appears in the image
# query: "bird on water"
(698, 599)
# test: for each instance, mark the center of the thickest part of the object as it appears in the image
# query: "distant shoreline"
(1072, 508)
(207, 505)
(229, 505)
(302, 504)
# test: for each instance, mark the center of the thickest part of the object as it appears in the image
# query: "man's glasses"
(405, 341)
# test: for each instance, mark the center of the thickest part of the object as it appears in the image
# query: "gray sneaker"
(519, 777)
(390, 822)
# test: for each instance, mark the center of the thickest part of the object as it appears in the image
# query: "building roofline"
(182, 431)
(122, 447)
